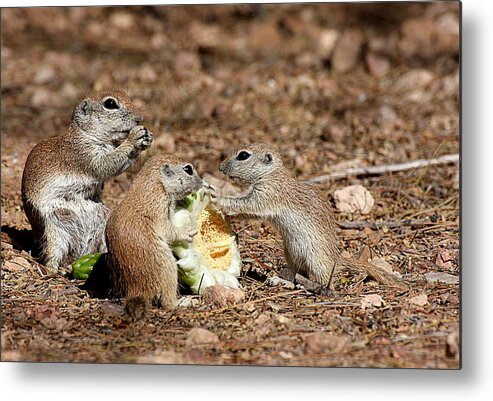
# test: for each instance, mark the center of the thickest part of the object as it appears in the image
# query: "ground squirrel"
(298, 211)
(139, 233)
(63, 177)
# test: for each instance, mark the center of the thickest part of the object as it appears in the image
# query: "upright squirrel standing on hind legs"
(140, 264)
(63, 177)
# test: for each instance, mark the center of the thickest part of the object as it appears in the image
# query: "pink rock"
(347, 51)
(327, 42)
(222, 296)
(197, 337)
(378, 66)
(353, 199)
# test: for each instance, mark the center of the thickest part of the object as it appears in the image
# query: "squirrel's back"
(44, 166)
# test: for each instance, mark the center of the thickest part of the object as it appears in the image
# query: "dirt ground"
(332, 86)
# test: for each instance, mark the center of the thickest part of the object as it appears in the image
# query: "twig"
(388, 224)
(331, 304)
(411, 214)
(387, 168)
(434, 227)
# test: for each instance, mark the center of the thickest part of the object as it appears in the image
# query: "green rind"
(193, 270)
(82, 267)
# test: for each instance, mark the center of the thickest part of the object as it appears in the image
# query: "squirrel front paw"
(211, 191)
(140, 137)
(187, 236)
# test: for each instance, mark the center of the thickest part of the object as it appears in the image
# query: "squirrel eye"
(243, 155)
(110, 104)
(188, 169)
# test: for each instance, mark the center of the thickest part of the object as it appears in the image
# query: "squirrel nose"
(221, 167)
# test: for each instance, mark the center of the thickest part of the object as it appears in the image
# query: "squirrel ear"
(167, 171)
(268, 158)
(84, 107)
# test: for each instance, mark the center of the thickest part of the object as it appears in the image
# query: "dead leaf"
(444, 259)
(21, 262)
(354, 199)
(365, 254)
(12, 267)
(372, 300)
(384, 265)
(7, 246)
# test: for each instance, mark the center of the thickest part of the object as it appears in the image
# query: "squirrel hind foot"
(135, 308)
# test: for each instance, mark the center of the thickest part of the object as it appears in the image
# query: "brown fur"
(140, 231)
(298, 211)
(64, 176)
(136, 308)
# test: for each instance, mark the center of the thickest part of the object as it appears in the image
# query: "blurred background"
(328, 77)
(333, 86)
(327, 83)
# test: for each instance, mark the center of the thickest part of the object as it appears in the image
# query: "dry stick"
(388, 168)
(419, 230)
(388, 224)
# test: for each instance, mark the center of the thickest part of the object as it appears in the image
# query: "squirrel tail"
(382, 276)
(135, 308)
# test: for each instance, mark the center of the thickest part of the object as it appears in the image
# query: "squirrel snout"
(138, 118)
(222, 167)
